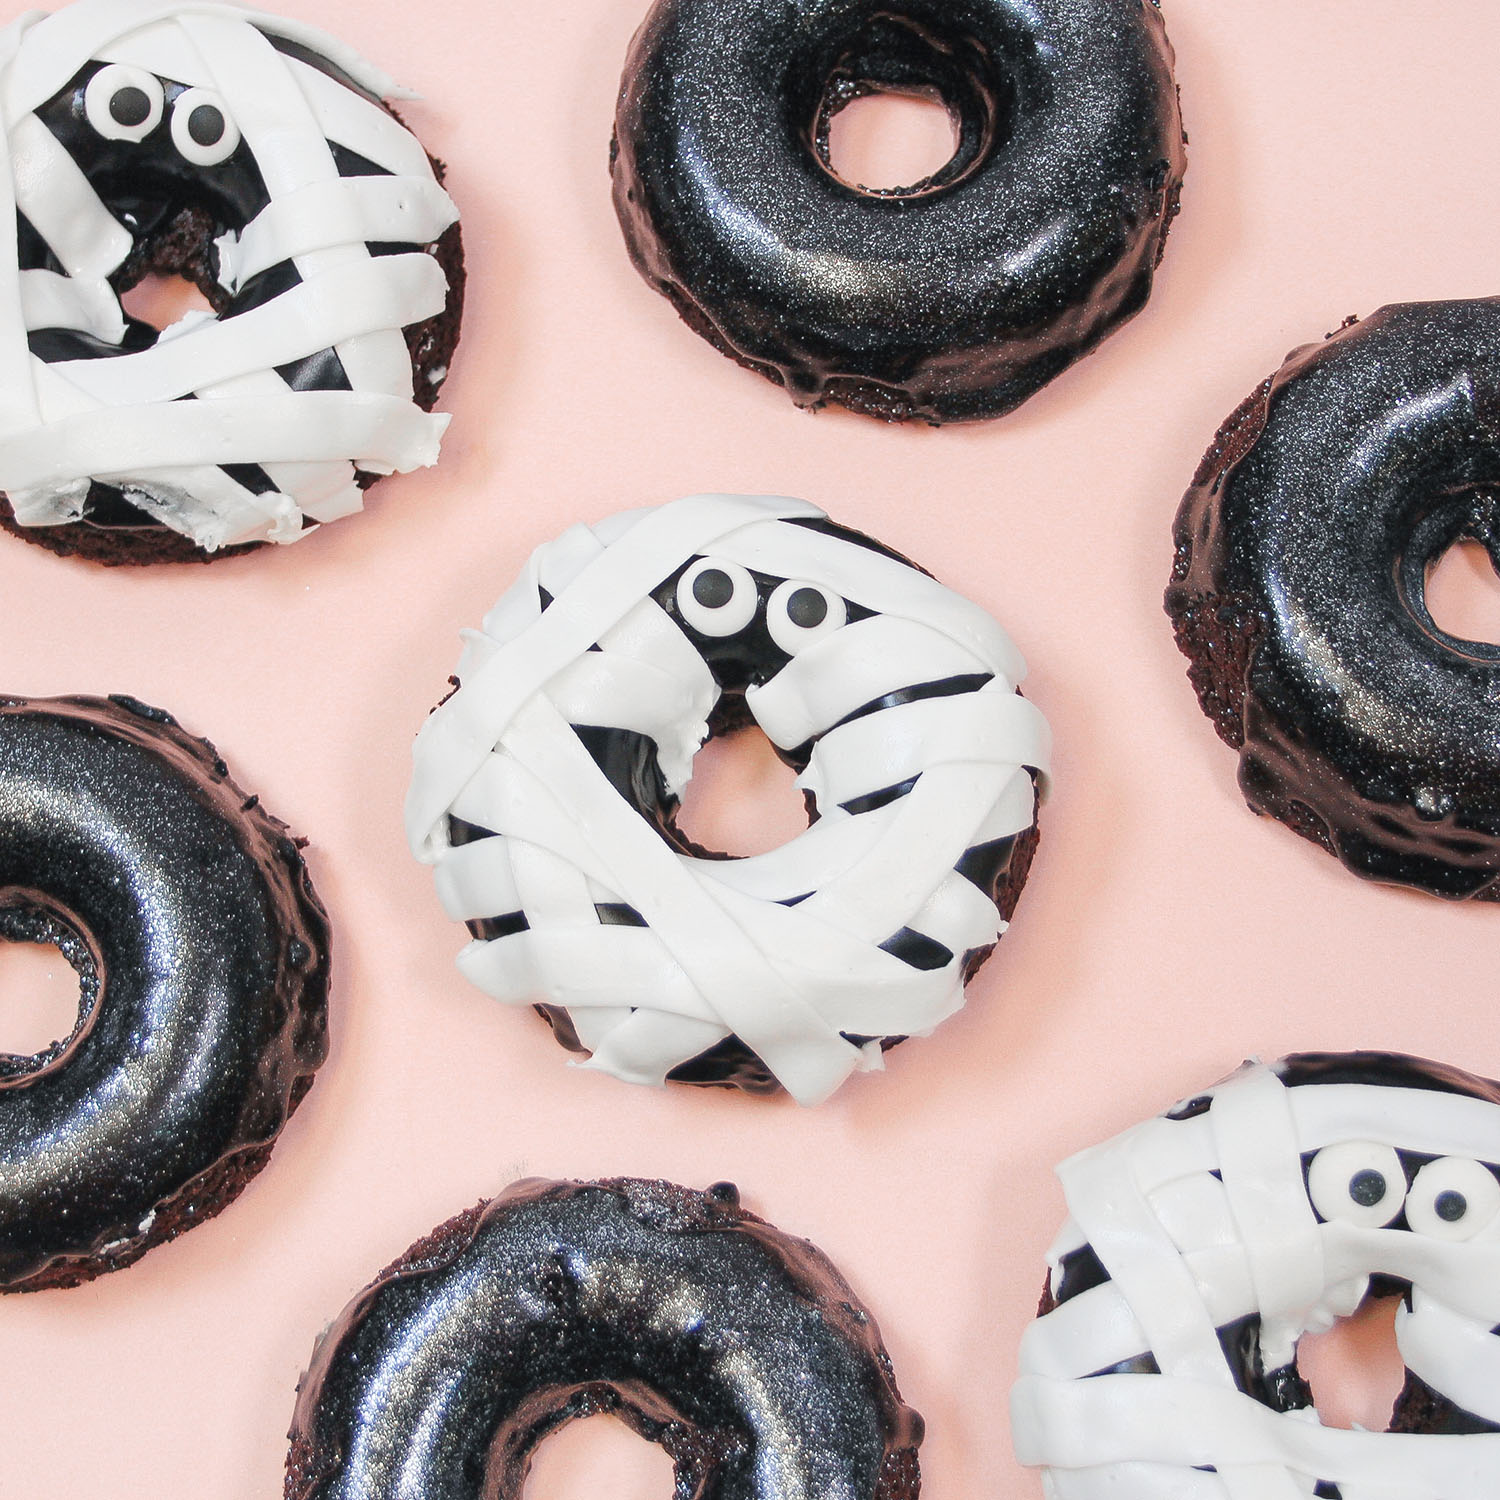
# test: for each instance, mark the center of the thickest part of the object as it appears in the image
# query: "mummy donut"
(546, 786)
(252, 156)
(949, 300)
(1299, 596)
(739, 1349)
(202, 956)
(1203, 1244)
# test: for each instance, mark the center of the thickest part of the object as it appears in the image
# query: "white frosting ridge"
(1262, 1207)
(121, 419)
(721, 953)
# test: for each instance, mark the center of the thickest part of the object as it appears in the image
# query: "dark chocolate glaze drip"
(739, 1349)
(629, 762)
(1302, 551)
(175, 211)
(950, 300)
(202, 953)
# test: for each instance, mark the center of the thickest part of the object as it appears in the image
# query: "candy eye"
(801, 614)
(717, 598)
(124, 103)
(1357, 1183)
(1452, 1199)
(202, 130)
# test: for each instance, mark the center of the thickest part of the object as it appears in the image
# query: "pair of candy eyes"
(719, 598)
(1364, 1184)
(126, 104)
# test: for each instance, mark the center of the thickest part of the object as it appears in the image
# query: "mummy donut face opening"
(546, 791)
(252, 157)
(1201, 1247)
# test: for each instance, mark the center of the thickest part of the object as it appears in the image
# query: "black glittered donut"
(955, 298)
(1303, 549)
(740, 1350)
(202, 957)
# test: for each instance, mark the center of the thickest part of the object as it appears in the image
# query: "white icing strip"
(1189, 1254)
(1107, 1204)
(347, 301)
(55, 196)
(360, 125)
(859, 927)
(52, 301)
(1452, 1352)
(834, 678)
(1261, 1167)
(1102, 1423)
(380, 429)
(18, 406)
(300, 322)
(392, 210)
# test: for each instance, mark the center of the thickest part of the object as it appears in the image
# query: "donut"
(251, 156)
(739, 1349)
(952, 299)
(1298, 595)
(1203, 1244)
(546, 787)
(202, 957)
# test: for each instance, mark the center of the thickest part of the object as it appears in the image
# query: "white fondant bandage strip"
(1116, 1420)
(784, 950)
(110, 418)
(1202, 1222)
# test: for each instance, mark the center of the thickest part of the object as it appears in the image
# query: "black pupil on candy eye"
(807, 609)
(1451, 1207)
(1367, 1188)
(206, 125)
(129, 106)
(713, 588)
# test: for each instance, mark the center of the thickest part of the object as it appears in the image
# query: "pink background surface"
(1342, 156)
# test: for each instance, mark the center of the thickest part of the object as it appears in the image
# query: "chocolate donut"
(1298, 595)
(546, 790)
(950, 300)
(1203, 1244)
(202, 956)
(253, 157)
(739, 1349)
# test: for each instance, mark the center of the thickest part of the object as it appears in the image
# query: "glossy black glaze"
(202, 954)
(1418, 1409)
(740, 1350)
(1391, 1070)
(750, 658)
(1302, 551)
(950, 300)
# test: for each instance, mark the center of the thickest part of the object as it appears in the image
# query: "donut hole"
(743, 797)
(162, 300)
(899, 112)
(598, 1456)
(879, 141)
(43, 998)
(1355, 1370)
(1463, 593)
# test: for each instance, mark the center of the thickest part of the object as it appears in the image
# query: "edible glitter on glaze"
(1298, 593)
(739, 1349)
(954, 298)
(202, 958)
